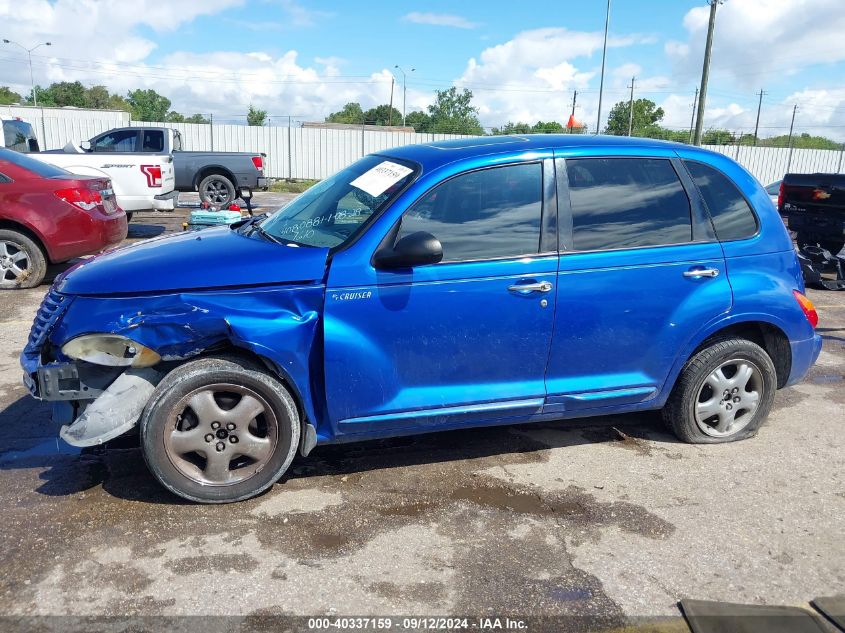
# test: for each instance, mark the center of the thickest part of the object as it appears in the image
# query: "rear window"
(626, 203)
(732, 216)
(33, 165)
(19, 136)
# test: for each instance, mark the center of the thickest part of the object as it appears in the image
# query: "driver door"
(461, 342)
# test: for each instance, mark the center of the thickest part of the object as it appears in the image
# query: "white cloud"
(756, 39)
(440, 19)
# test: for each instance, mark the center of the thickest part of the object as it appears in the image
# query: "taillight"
(153, 174)
(85, 199)
(808, 308)
(780, 196)
(258, 161)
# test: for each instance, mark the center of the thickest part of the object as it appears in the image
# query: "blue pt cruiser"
(483, 281)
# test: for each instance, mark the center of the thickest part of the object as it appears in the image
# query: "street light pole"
(404, 90)
(29, 55)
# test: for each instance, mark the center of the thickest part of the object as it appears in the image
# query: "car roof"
(439, 153)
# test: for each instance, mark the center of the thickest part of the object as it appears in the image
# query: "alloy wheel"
(14, 263)
(728, 398)
(221, 434)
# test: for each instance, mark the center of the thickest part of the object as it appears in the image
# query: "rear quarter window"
(732, 216)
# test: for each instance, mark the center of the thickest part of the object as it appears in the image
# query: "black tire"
(834, 246)
(217, 190)
(22, 262)
(692, 385)
(159, 422)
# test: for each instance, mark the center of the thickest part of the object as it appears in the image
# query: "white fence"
(299, 152)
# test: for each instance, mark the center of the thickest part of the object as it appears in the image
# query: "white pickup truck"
(140, 181)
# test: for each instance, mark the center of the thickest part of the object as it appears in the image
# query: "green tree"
(256, 117)
(351, 113)
(646, 117)
(453, 113)
(418, 120)
(383, 115)
(196, 118)
(148, 105)
(97, 97)
(8, 96)
(717, 137)
(512, 128)
(802, 141)
(174, 117)
(67, 93)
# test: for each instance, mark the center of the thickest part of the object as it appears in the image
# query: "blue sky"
(522, 60)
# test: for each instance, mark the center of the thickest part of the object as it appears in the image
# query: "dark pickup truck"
(219, 177)
(813, 205)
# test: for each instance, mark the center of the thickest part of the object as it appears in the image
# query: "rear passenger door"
(640, 272)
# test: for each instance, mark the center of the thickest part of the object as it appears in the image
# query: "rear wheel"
(219, 430)
(22, 262)
(724, 393)
(217, 190)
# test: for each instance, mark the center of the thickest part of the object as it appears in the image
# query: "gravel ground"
(604, 520)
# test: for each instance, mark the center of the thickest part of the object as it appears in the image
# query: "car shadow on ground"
(31, 442)
(145, 231)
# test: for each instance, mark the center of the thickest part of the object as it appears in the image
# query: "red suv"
(49, 215)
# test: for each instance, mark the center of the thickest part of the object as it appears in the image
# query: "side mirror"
(85, 145)
(416, 249)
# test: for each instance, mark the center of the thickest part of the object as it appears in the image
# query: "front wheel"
(219, 430)
(724, 393)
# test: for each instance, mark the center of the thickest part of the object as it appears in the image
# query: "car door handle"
(524, 289)
(702, 272)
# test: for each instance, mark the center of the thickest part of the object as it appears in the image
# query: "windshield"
(332, 211)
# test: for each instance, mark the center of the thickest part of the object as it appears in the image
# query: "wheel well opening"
(769, 337)
(214, 171)
(9, 225)
(264, 363)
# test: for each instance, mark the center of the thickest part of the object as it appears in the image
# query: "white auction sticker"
(381, 177)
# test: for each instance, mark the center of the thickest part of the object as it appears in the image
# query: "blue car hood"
(212, 258)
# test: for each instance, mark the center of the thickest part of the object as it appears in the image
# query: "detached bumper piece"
(62, 382)
(822, 269)
(115, 412)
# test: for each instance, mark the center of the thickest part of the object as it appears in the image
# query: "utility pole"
(692, 116)
(572, 116)
(631, 108)
(705, 72)
(29, 55)
(404, 89)
(603, 57)
(757, 124)
(390, 109)
(791, 127)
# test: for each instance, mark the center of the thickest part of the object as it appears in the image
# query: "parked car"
(18, 135)
(48, 215)
(461, 283)
(773, 189)
(219, 177)
(813, 206)
(141, 182)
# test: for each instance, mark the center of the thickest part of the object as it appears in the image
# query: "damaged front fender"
(278, 323)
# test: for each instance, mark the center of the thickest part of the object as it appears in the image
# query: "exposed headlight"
(111, 350)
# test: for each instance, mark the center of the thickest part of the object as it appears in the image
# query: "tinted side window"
(153, 141)
(483, 214)
(124, 141)
(626, 203)
(19, 136)
(732, 216)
